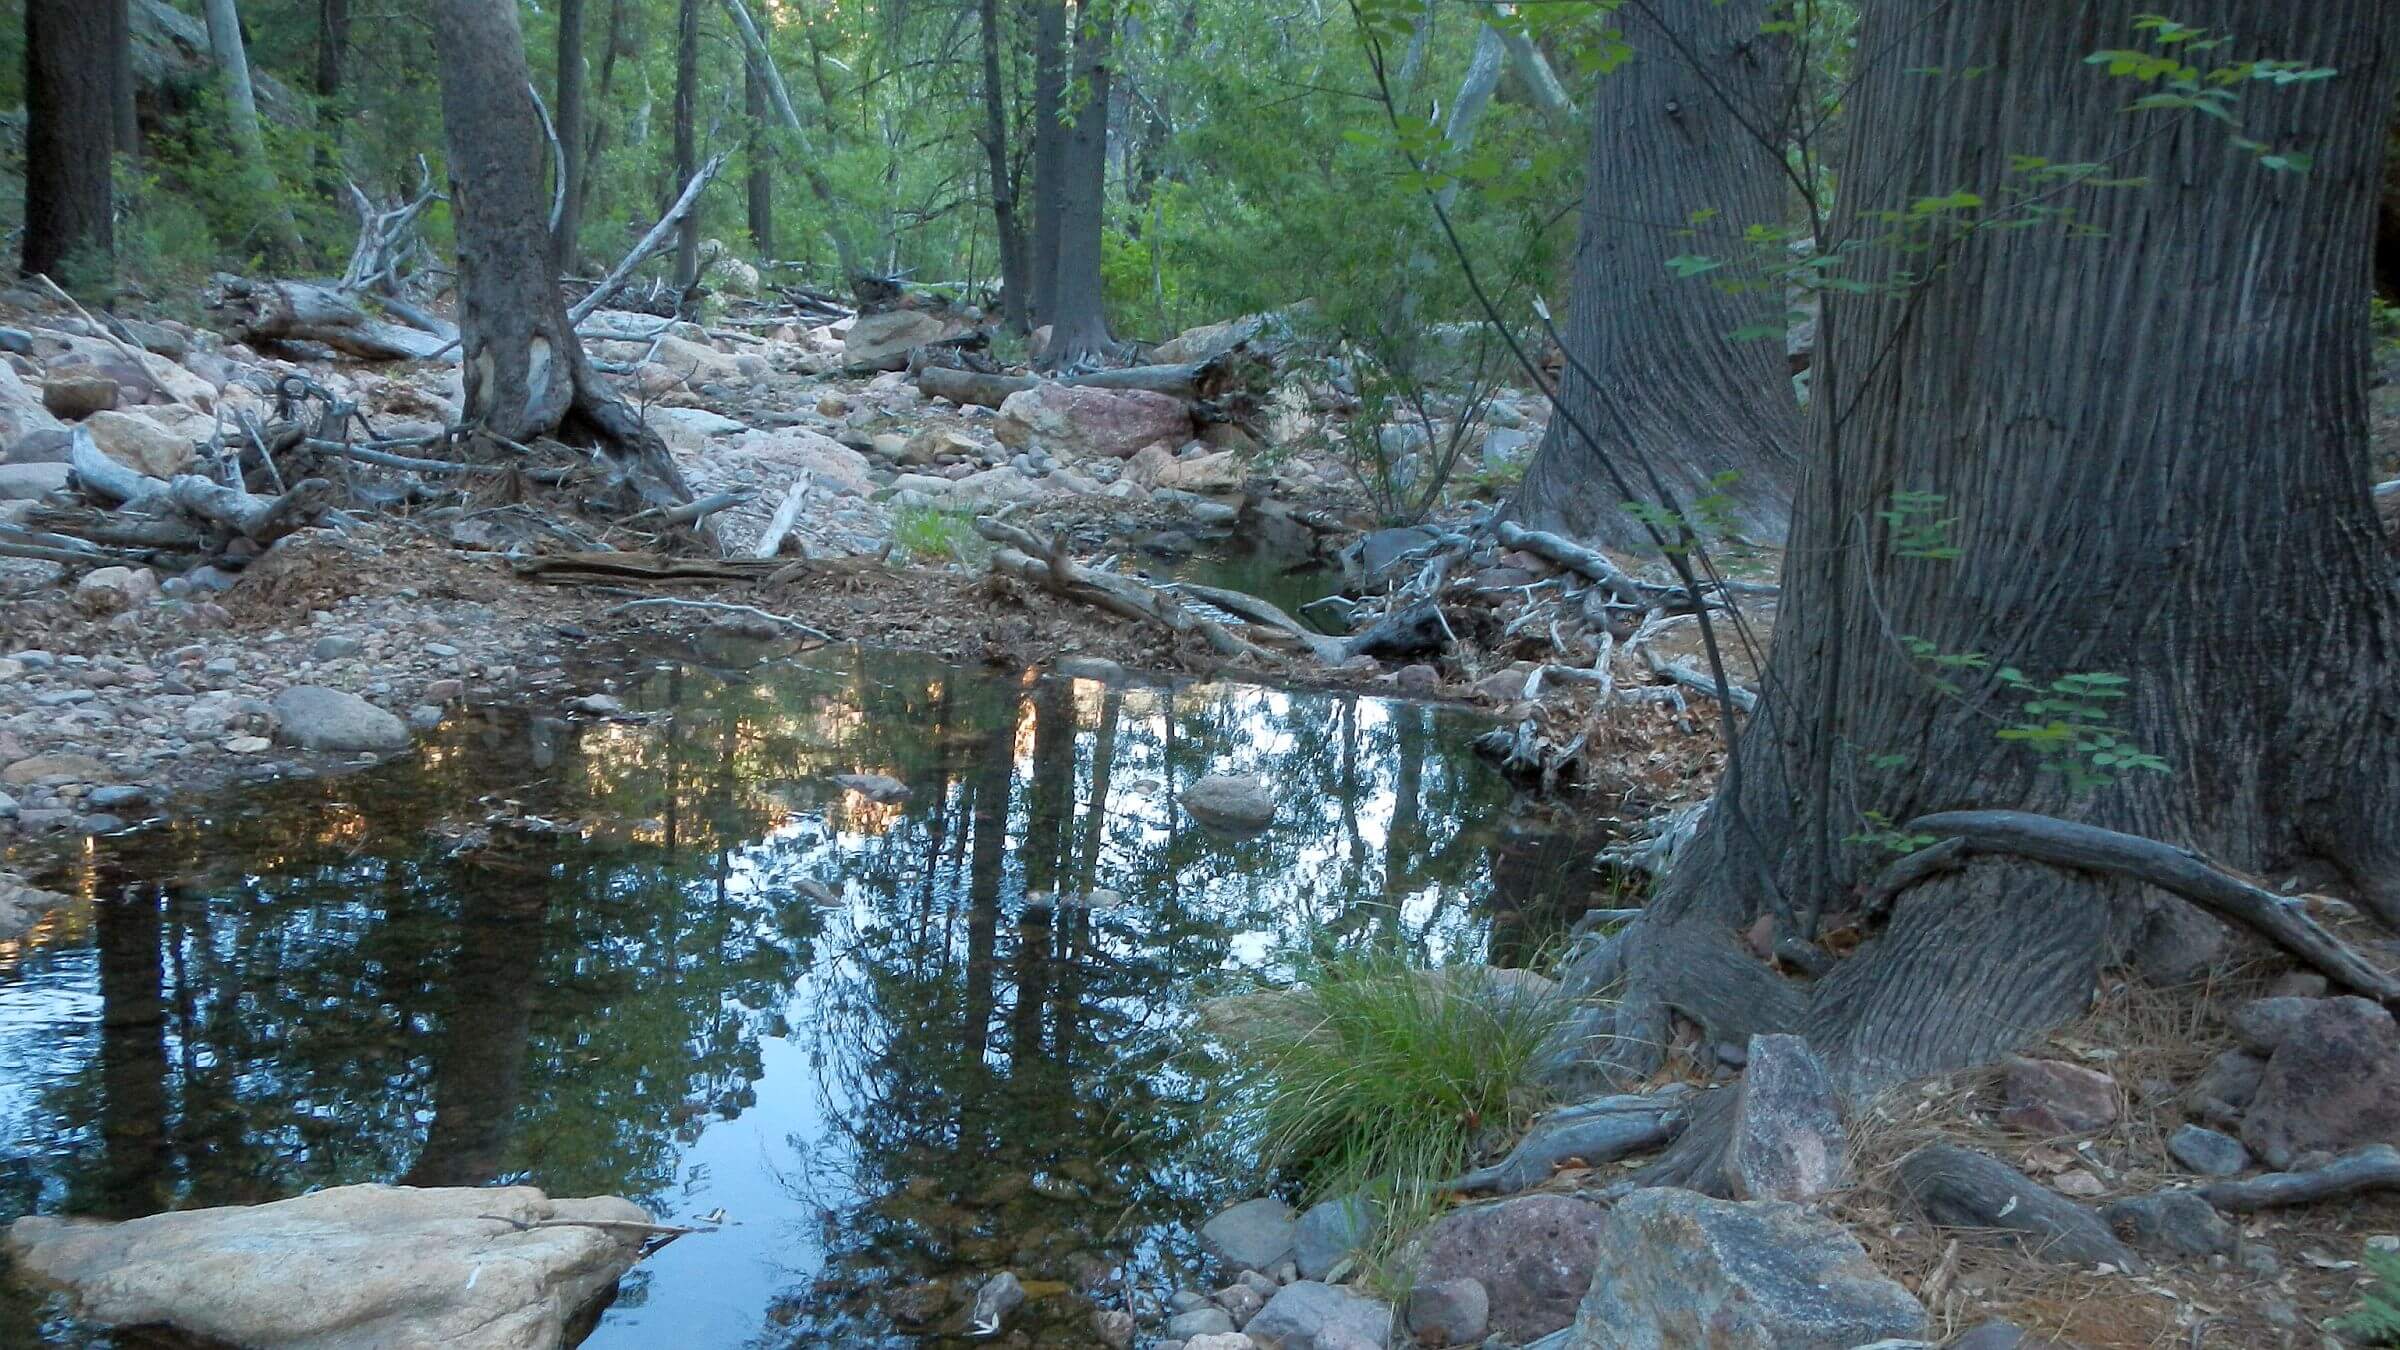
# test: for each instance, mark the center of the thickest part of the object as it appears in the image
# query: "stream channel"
(662, 957)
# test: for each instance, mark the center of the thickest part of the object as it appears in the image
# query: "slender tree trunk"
(832, 221)
(123, 87)
(241, 117)
(687, 148)
(1049, 153)
(70, 128)
(333, 50)
(760, 184)
(1653, 377)
(525, 373)
(1079, 315)
(571, 134)
(1015, 281)
(2147, 434)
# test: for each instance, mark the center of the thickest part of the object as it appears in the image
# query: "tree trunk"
(333, 50)
(1078, 317)
(1049, 153)
(70, 128)
(241, 118)
(2148, 438)
(525, 374)
(571, 143)
(123, 82)
(832, 221)
(618, 42)
(759, 185)
(1015, 281)
(687, 148)
(1688, 126)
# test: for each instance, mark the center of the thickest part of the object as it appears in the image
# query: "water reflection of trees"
(368, 979)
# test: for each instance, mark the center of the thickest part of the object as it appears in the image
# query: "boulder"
(61, 768)
(1533, 1255)
(139, 443)
(1676, 1269)
(2333, 1084)
(2053, 1097)
(1000, 483)
(1448, 1312)
(77, 396)
(688, 430)
(112, 590)
(1074, 421)
(44, 445)
(1229, 801)
(31, 482)
(1208, 1321)
(2263, 1024)
(1788, 1142)
(316, 718)
(788, 452)
(1253, 1235)
(350, 1268)
(21, 410)
(1218, 472)
(2224, 1091)
(2208, 1152)
(1306, 1315)
(1330, 1233)
(883, 341)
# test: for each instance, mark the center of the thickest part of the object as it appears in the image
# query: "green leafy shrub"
(929, 534)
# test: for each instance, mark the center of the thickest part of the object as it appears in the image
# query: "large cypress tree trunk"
(525, 373)
(1078, 317)
(1693, 124)
(2150, 441)
(571, 135)
(70, 128)
(123, 85)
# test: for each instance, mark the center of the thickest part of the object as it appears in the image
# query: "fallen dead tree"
(266, 312)
(169, 525)
(1028, 557)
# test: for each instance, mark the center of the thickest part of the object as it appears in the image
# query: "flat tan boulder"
(353, 1268)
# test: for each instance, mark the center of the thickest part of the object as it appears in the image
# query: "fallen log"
(297, 311)
(787, 514)
(2373, 1168)
(2092, 848)
(1122, 595)
(1241, 604)
(648, 567)
(1191, 381)
(104, 479)
(1586, 562)
(261, 520)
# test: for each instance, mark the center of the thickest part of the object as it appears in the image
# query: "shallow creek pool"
(898, 1046)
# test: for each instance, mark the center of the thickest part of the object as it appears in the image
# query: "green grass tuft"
(1386, 1078)
(933, 535)
(2376, 1321)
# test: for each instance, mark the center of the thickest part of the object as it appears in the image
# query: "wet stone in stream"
(665, 956)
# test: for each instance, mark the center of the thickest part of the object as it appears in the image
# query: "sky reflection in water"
(669, 960)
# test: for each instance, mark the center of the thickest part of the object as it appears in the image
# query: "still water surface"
(666, 958)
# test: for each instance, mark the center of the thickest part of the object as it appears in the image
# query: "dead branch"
(1679, 673)
(650, 243)
(1330, 650)
(786, 515)
(1576, 558)
(2373, 1168)
(140, 360)
(103, 478)
(1122, 595)
(720, 606)
(289, 311)
(2092, 848)
(262, 520)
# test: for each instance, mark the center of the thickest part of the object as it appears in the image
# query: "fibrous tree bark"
(832, 223)
(525, 373)
(2144, 434)
(1078, 316)
(122, 87)
(1687, 131)
(571, 134)
(69, 131)
(687, 145)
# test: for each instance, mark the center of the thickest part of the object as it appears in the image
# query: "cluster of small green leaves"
(1881, 833)
(2376, 1321)
(2067, 723)
(1711, 513)
(2180, 83)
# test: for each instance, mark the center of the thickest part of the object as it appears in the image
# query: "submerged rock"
(1229, 801)
(1676, 1269)
(345, 1269)
(1253, 1235)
